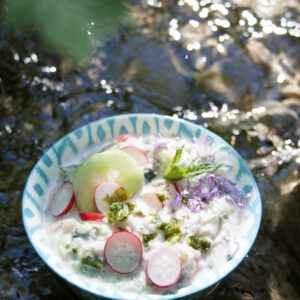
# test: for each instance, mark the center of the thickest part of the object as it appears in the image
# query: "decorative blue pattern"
(34, 229)
(90, 140)
(168, 123)
(32, 199)
(146, 129)
(123, 130)
(211, 140)
(111, 123)
(47, 160)
(101, 133)
(38, 189)
(42, 174)
(40, 178)
(157, 124)
(28, 213)
(184, 131)
(247, 189)
(43, 241)
(133, 122)
(243, 169)
(197, 133)
(78, 132)
(60, 149)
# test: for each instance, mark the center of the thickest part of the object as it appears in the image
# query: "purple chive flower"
(203, 150)
(177, 200)
(232, 247)
(196, 204)
(203, 192)
(232, 193)
(158, 146)
(210, 186)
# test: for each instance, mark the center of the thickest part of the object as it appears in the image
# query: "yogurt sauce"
(219, 221)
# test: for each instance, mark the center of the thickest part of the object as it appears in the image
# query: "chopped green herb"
(174, 173)
(119, 195)
(199, 243)
(185, 200)
(155, 218)
(90, 259)
(148, 237)
(74, 254)
(119, 211)
(170, 230)
(67, 172)
(150, 174)
(162, 197)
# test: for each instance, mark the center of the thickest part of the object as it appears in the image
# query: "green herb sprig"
(174, 173)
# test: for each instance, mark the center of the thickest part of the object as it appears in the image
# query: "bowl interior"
(93, 134)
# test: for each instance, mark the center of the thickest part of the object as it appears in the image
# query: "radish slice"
(89, 216)
(139, 155)
(63, 200)
(172, 189)
(123, 137)
(123, 252)
(104, 189)
(164, 267)
(152, 201)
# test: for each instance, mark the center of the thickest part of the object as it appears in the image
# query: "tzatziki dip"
(145, 213)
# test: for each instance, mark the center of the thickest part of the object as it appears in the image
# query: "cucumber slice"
(110, 165)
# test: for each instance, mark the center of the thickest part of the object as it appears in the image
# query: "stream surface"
(232, 67)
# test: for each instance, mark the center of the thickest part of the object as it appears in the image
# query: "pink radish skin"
(164, 267)
(172, 189)
(63, 200)
(89, 216)
(104, 189)
(152, 201)
(123, 137)
(139, 155)
(123, 252)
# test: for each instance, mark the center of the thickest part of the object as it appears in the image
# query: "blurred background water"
(231, 66)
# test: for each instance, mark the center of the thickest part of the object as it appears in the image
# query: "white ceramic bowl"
(107, 129)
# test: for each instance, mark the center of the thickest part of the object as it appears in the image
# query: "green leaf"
(175, 160)
(174, 173)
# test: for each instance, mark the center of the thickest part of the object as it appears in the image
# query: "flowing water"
(232, 67)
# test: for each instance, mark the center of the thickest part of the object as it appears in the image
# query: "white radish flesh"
(164, 267)
(123, 252)
(139, 155)
(63, 200)
(104, 189)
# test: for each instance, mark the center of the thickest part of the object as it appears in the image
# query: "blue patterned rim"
(103, 130)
